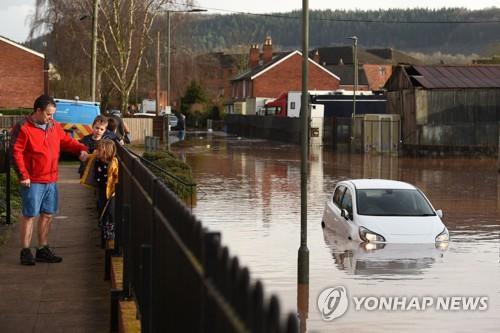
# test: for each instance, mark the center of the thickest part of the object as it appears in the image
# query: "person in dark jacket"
(181, 127)
(36, 144)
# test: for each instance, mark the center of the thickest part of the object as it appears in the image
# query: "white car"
(383, 211)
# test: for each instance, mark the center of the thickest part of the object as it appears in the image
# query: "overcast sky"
(14, 13)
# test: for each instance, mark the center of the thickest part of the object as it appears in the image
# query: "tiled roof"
(346, 74)
(332, 56)
(251, 72)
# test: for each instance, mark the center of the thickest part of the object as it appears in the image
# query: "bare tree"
(124, 35)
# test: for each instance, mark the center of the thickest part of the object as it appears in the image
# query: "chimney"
(253, 58)
(267, 50)
(316, 56)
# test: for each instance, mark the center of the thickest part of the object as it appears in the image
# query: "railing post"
(146, 303)
(127, 240)
(118, 219)
(7, 177)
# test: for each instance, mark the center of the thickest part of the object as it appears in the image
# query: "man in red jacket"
(36, 143)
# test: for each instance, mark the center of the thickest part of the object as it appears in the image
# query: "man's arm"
(70, 145)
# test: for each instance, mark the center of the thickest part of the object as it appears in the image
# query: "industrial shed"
(446, 108)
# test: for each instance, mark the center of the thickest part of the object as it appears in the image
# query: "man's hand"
(83, 156)
(25, 182)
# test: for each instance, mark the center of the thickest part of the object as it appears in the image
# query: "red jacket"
(36, 152)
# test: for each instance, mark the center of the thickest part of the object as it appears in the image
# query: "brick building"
(278, 74)
(22, 73)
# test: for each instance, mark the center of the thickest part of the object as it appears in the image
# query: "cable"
(342, 20)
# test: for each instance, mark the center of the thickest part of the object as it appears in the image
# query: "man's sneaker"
(45, 254)
(27, 257)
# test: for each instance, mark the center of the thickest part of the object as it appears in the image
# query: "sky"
(14, 13)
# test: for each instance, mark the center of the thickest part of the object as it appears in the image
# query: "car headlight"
(444, 236)
(370, 236)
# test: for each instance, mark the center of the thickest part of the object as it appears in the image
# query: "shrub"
(15, 196)
(15, 112)
(173, 166)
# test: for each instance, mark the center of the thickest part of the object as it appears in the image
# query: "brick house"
(22, 73)
(272, 76)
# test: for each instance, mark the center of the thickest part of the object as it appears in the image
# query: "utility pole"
(168, 60)
(158, 73)
(94, 50)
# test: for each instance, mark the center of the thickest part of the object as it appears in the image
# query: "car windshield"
(391, 202)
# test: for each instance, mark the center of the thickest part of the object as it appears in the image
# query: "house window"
(292, 105)
(221, 92)
(244, 89)
(382, 70)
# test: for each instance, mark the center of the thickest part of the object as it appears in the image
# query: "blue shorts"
(39, 198)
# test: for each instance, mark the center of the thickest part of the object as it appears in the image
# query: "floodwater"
(250, 191)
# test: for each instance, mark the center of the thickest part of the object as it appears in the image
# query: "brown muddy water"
(250, 191)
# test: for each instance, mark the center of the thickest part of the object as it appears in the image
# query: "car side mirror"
(439, 213)
(345, 214)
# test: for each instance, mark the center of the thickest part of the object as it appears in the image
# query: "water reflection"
(383, 261)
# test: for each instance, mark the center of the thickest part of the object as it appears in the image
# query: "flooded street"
(250, 191)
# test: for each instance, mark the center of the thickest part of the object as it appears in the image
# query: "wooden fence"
(139, 128)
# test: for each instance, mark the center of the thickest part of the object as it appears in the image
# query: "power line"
(282, 16)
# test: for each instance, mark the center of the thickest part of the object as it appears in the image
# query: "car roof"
(365, 184)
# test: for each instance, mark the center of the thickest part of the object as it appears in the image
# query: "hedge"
(170, 163)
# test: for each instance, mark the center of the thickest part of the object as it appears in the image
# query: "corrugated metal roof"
(442, 77)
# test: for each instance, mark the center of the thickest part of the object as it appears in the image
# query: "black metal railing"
(181, 276)
(189, 187)
(5, 181)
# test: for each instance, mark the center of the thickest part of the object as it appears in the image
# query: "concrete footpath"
(66, 297)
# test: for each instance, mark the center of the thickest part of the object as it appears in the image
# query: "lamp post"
(94, 50)
(192, 10)
(355, 88)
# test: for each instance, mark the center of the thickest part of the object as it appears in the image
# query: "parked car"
(76, 116)
(172, 120)
(383, 211)
(144, 114)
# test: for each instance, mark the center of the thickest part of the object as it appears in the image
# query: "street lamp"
(192, 10)
(355, 88)
(94, 50)
(93, 59)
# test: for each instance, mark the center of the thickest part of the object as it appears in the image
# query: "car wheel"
(322, 224)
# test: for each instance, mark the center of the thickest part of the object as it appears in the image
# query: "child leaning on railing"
(101, 173)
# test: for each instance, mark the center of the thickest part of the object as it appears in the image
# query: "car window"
(337, 196)
(347, 202)
(392, 202)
